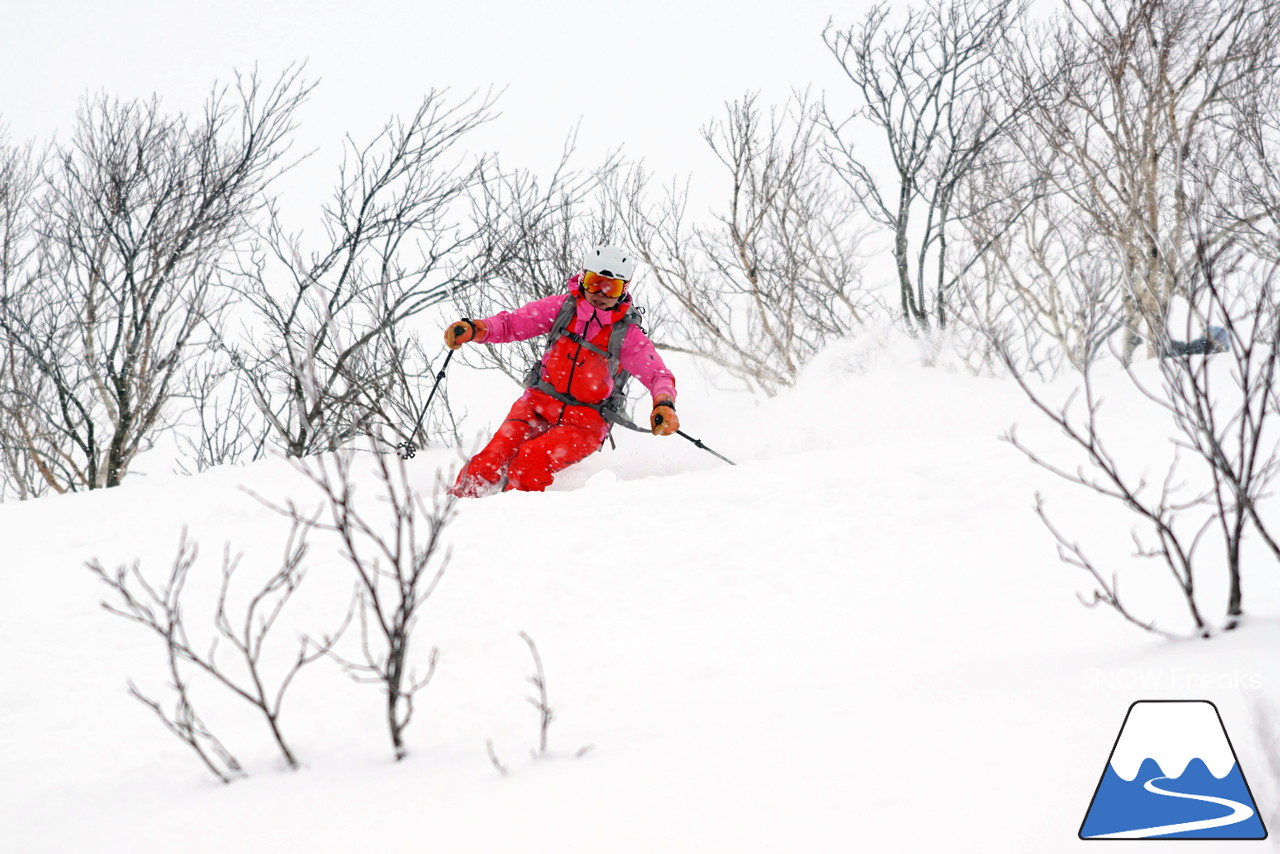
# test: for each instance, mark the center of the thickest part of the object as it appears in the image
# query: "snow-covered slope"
(859, 638)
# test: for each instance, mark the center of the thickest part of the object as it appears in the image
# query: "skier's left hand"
(663, 420)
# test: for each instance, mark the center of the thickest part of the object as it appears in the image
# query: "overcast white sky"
(647, 74)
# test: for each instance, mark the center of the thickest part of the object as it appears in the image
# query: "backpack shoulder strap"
(614, 409)
(559, 327)
(564, 317)
(617, 335)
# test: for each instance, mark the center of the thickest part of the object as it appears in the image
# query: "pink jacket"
(638, 356)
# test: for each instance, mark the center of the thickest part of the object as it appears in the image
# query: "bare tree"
(1041, 270)
(1221, 409)
(537, 233)
(1145, 90)
(778, 275)
(162, 609)
(398, 565)
(226, 425)
(1252, 165)
(18, 175)
(328, 351)
(1224, 406)
(20, 388)
(135, 214)
(929, 87)
(1153, 145)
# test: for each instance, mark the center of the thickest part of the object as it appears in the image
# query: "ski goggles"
(593, 283)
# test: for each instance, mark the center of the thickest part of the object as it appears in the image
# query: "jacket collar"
(596, 318)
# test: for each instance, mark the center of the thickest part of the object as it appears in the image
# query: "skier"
(575, 391)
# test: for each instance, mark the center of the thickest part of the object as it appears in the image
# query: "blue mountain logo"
(1173, 774)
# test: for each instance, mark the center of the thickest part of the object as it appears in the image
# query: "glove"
(663, 420)
(463, 331)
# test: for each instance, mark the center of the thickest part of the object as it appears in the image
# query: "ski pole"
(698, 442)
(407, 449)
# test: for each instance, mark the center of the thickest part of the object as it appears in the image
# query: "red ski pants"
(540, 437)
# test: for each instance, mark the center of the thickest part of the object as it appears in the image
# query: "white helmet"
(610, 261)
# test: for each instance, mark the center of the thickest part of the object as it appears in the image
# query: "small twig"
(1107, 592)
(539, 681)
(186, 725)
(493, 758)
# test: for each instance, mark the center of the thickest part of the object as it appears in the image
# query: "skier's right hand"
(462, 331)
